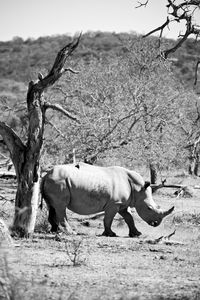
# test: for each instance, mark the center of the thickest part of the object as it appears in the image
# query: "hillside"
(19, 58)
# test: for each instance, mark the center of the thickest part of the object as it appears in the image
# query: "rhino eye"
(149, 208)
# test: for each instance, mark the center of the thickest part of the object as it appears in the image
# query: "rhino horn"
(167, 212)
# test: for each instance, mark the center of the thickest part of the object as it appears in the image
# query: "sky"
(35, 18)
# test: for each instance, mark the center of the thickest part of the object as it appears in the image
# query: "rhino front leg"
(108, 219)
(133, 232)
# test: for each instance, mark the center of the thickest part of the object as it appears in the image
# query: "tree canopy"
(124, 96)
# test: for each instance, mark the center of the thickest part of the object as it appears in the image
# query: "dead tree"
(26, 156)
(178, 11)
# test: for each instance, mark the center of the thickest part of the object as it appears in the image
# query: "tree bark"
(194, 158)
(153, 173)
(194, 165)
(26, 161)
(26, 157)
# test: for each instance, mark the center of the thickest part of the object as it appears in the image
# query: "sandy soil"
(89, 266)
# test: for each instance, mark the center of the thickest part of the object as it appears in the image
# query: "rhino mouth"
(154, 223)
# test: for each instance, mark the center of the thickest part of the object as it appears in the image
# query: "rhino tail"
(41, 192)
(68, 186)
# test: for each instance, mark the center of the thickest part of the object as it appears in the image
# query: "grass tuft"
(185, 218)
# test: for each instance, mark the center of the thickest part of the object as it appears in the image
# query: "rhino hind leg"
(133, 232)
(108, 219)
(61, 219)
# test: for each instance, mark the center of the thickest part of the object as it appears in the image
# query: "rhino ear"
(136, 181)
(146, 184)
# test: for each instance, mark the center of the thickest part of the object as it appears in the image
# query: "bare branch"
(142, 4)
(62, 56)
(15, 146)
(110, 131)
(182, 5)
(5, 157)
(11, 139)
(165, 53)
(56, 129)
(160, 28)
(179, 11)
(58, 68)
(59, 108)
(189, 31)
(72, 71)
(2, 198)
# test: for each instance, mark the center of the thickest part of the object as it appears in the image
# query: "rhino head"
(147, 209)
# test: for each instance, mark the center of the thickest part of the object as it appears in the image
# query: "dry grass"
(108, 268)
(187, 219)
(76, 251)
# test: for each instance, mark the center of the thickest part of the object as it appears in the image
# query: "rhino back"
(93, 188)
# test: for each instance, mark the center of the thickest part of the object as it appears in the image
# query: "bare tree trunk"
(26, 157)
(194, 159)
(194, 165)
(26, 203)
(26, 161)
(153, 173)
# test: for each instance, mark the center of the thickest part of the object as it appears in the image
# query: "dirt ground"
(89, 266)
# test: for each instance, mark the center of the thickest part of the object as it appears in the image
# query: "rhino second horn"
(168, 212)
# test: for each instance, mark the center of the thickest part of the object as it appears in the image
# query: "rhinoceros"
(87, 189)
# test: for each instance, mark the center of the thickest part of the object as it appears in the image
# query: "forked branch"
(178, 11)
(58, 67)
(160, 28)
(62, 56)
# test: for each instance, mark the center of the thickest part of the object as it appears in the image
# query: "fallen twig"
(8, 176)
(168, 236)
(164, 240)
